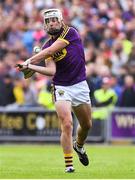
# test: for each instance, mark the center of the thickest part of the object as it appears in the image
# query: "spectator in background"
(25, 93)
(38, 34)
(127, 98)
(3, 70)
(15, 34)
(116, 87)
(28, 39)
(131, 62)
(105, 98)
(45, 96)
(7, 96)
(118, 58)
(18, 91)
(30, 93)
(95, 74)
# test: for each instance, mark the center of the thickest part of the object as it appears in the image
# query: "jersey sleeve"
(46, 45)
(69, 35)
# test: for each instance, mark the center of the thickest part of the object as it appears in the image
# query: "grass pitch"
(46, 162)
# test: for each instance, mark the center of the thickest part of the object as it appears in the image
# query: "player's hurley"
(28, 72)
(36, 50)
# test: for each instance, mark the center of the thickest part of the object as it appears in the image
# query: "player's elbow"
(52, 71)
(50, 52)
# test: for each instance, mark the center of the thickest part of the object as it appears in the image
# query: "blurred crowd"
(107, 29)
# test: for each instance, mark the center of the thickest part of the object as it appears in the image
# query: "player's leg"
(83, 114)
(63, 109)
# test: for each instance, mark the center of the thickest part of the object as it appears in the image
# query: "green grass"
(46, 162)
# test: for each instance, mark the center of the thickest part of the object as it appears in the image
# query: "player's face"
(52, 25)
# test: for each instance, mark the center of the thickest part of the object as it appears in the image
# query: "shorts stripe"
(53, 89)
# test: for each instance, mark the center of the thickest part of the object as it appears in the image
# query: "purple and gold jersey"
(70, 61)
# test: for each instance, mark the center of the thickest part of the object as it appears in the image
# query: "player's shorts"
(77, 94)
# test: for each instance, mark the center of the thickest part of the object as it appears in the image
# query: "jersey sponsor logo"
(59, 55)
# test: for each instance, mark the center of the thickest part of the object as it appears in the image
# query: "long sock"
(68, 159)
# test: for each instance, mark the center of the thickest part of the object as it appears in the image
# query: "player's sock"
(69, 162)
(80, 147)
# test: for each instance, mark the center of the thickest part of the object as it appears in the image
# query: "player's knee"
(67, 126)
(88, 125)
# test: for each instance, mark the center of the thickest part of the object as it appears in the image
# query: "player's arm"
(46, 53)
(49, 70)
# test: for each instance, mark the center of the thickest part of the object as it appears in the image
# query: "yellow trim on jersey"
(64, 40)
(65, 31)
(49, 58)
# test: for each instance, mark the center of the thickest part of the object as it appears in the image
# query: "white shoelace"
(81, 150)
